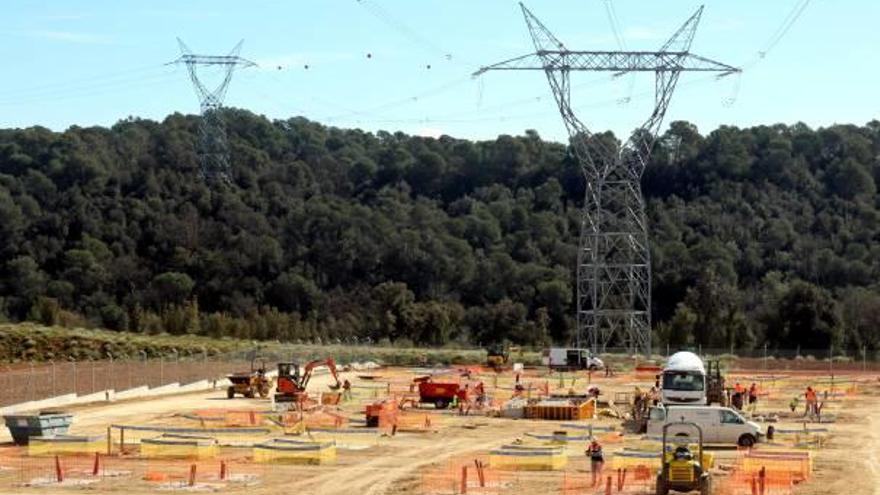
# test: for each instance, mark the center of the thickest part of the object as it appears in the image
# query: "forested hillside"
(763, 235)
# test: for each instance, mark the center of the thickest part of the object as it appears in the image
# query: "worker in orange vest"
(597, 460)
(812, 401)
(738, 396)
(753, 397)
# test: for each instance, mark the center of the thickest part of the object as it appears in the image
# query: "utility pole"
(213, 148)
(614, 263)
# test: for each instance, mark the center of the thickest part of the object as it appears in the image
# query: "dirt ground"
(849, 463)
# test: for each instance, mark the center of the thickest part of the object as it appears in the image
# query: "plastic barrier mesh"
(470, 475)
(797, 463)
(626, 481)
(742, 483)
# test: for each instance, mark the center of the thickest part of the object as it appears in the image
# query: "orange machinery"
(291, 386)
(441, 394)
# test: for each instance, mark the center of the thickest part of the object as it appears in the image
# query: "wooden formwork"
(561, 410)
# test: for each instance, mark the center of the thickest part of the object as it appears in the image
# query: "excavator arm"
(307, 372)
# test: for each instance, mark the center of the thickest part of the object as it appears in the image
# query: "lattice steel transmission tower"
(213, 148)
(614, 261)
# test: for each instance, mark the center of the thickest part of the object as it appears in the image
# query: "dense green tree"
(172, 287)
(764, 235)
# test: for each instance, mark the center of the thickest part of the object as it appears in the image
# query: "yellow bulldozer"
(682, 470)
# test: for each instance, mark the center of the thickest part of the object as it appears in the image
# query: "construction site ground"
(429, 459)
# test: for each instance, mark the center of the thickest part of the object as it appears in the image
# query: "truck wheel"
(441, 403)
(746, 440)
(592, 367)
(706, 486)
(662, 489)
(249, 394)
(230, 393)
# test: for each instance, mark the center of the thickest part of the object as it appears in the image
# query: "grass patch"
(32, 342)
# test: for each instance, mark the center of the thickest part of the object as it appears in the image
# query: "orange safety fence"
(645, 372)
(462, 476)
(611, 437)
(20, 470)
(389, 413)
(416, 421)
(393, 419)
(626, 481)
(239, 471)
(209, 418)
(797, 463)
(325, 419)
(760, 483)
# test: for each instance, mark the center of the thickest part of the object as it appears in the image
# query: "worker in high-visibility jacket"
(812, 402)
(597, 460)
(738, 396)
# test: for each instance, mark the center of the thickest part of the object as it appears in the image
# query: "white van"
(563, 358)
(720, 425)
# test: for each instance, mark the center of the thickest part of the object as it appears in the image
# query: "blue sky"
(95, 62)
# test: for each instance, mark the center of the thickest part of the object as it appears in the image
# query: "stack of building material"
(283, 450)
(522, 458)
(179, 447)
(344, 438)
(66, 445)
(561, 409)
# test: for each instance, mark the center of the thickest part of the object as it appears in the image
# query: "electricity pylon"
(614, 260)
(213, 148)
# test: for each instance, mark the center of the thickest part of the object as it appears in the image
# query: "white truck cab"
(684, 380)
(720, 425)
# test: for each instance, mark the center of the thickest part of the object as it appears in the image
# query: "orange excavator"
(291, 386)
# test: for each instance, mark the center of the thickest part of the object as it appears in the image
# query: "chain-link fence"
(22, 382)
(829, 360)
(35, 381)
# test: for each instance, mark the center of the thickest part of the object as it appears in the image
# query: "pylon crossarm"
(611, 61)
(214, 60)
(614, 258)
(212, 147)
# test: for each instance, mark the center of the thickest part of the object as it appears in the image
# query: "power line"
(614, 22)
(781, 31)
(792, 18)
(123, 77)
(411, 34)
(397, 103)
(87, 91)
(611, 14)
(684, 87)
